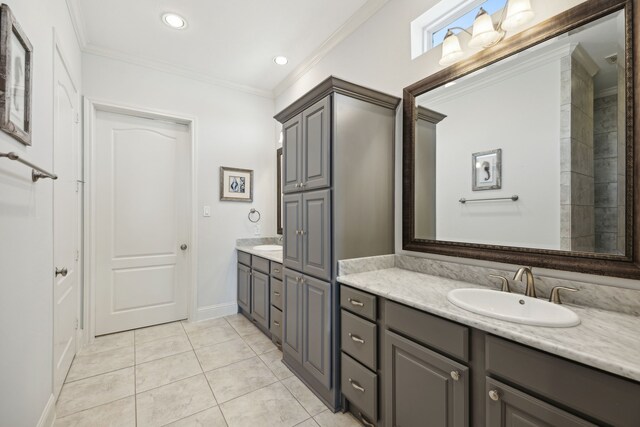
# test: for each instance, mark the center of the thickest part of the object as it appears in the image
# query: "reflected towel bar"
(36, 172)
(512, 198)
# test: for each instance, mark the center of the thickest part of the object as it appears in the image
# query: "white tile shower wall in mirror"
(556, 112)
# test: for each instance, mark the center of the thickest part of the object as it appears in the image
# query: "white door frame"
(91, 108)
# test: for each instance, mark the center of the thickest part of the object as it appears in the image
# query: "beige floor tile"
(199, 326)
(210, 418)
(329, 419)
(159, 331)
(241, 324)
(109, 342)
(121, 413)
(240, 378)
(89, 365)
(213, 335)
(271, 406)
(162, 347)
(95, 391)
(259, 342)
(166, 370)
(308, 423)
(307, 399)
(273, 360)
(174, 401)
(223, 354)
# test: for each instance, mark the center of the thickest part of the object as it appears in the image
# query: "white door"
(66, 215)
(142, 221)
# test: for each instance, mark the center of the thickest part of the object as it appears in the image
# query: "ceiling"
(232, 42)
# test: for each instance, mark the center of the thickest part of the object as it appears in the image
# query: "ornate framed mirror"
(526, 152)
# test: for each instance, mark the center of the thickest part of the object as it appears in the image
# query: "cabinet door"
(260, 298)
(292, 220)
(292, 314)
(292, 155)
(316, 145)
(316, 336)
(420, 386)
(508, 407)
(316, 226)
(244, 288)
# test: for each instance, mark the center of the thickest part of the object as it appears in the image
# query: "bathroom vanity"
(411, 358)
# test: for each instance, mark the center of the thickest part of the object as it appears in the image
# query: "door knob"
(183, 246)
(61, 271)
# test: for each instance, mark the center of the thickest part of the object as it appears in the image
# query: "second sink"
(513, 308)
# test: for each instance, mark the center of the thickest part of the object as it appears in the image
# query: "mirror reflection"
(530, 151)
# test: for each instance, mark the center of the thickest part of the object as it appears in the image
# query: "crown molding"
(362, 15)
(173, 69)
(77, 22)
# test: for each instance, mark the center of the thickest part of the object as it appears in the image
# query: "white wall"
(26, 228)
(233, 129)
(522, 110)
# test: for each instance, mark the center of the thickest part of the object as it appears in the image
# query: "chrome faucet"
(280, 238)
(530, 290)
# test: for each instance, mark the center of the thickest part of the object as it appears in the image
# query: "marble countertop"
(604, 339)
(270, 255)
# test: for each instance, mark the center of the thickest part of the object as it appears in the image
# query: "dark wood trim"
(336, 85)
(627, 266)
(279, 190)
(8, 27)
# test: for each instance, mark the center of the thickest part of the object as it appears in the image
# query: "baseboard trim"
(48, 416)
(215, 311)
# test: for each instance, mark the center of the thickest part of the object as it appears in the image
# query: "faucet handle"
(505, 282)
(555, 293)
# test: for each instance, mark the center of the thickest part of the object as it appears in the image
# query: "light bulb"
(451, 50)
(519, 12)
(484, 34)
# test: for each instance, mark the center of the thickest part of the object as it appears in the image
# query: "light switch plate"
(206, 211)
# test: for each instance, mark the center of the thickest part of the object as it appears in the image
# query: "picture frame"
(16, 67)
(236, 185)
(486, 170)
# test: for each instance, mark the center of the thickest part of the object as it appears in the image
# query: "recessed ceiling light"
(280, 60)
(174, 21)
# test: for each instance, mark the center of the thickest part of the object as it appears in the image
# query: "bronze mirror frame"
(279, 191)
(627, 265)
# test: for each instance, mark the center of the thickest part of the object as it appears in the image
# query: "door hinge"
(77, 187)
(77, 119)
(76, 325)
(77, 255)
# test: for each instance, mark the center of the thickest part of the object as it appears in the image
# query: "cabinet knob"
(494, 395)
(302, 232)
(356, 385)
(303, 184)
(355, 302)
(356, 338)
(276, 293)
(275, 322)
(297, 185)
(455, 375)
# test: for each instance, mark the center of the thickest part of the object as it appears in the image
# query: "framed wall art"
(16, 65)
(236, 185)
(486, 170)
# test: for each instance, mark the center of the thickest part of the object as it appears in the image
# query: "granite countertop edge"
(593, 330)
(275, 256)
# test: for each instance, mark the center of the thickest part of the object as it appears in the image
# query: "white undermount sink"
(268, 248)
(515, 308)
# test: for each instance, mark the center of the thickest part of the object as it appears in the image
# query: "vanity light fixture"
(515, 14)
(281, 60)
(174, 21)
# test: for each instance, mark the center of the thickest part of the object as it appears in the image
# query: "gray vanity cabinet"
(292, 154)
(260, 298)
(292, 224)
(244, 287)
(316, 234)
(316, 323)
(292, 315)
(316, 139)
(423, 387)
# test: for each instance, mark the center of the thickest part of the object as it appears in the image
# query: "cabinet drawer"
(276, 270)
(276, 293)
(360, 386)
(244, 258)
(432, 331)
(276, 323)
(358, 302)
(604, 397)
(260, 264)
(359, 339)
(512, 406)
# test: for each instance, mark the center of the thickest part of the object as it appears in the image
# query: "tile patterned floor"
(220, 372)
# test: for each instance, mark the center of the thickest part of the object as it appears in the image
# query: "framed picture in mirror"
(16, 62)
(487, 170)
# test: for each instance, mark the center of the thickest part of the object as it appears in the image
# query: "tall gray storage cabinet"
(338, 180)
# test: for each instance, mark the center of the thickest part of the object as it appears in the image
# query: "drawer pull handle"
(356, 385)
(275, 270)
(455, 375)
(494, 395)
(276, 293)
(356, 338)
(364, 420)
(275, 322)
(355, 302)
